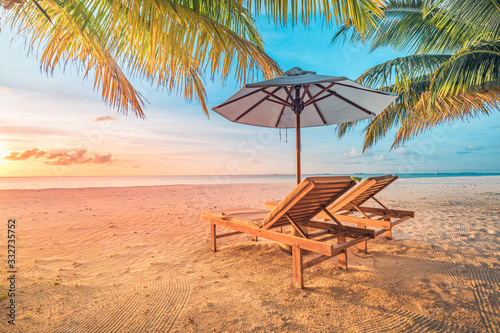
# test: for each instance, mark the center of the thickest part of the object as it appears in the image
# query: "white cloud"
(381, 157)
(352, 153)
(405, 152)
(472, 147)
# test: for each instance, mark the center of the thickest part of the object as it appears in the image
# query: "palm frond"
(483, 13)
(361, 14)
(474, 68)
(447, 109)
(409, 27)
(401, 70)
(398, 112)
(433, 88)
(170, 43)
(72, 38)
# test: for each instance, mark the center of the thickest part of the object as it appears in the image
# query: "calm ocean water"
(7, 183)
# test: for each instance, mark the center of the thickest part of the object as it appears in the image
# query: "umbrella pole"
(297, 143)
(297, 139)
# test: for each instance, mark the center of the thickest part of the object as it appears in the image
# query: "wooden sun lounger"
(307, 200)
(350, 209)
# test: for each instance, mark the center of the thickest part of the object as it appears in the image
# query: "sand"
(137, 259)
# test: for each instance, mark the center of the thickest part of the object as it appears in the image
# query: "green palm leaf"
(434, 88)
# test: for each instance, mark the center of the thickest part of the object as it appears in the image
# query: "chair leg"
(343, 254)
(298, 270)
(388, 233)
(363, 246)
(213, 237)
(255, 238)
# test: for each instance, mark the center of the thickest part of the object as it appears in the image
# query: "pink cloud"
(104, 118)
(79, 156)
(24, 155)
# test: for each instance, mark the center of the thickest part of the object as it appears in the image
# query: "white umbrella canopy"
(303, 99)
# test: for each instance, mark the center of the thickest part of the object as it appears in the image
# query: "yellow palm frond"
(172, 44)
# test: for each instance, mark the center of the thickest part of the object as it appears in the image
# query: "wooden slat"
(306, 244)
(359, 210)
(229, 234)
(381, 183)
(395, 223)
(350, 231)
(355, 220)
(291, 203)
(339, 194)
(296, 206)
(305, 215)
(337, 249)
(300, 231)
(364, 191)
(349, 197)
(320, 186)
(304, 208)
(317, 198)
(315, 261)
(325, 189)
(330, 215)
(318, 234)
(398, 213)
(332, 236)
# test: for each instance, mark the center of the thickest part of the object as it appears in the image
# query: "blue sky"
(75, 134)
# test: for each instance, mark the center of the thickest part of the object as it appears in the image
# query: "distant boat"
(437, 172)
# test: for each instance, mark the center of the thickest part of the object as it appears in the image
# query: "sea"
(10, 183)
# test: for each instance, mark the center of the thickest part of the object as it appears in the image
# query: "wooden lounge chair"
(350, 208)
(307, 200)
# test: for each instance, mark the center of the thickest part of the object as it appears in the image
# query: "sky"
(57, 125)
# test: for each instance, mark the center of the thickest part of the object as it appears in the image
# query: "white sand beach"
(137, 259)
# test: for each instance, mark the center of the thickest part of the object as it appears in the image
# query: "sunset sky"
(58, 126)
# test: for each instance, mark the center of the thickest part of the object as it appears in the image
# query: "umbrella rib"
(349, 101)
(288, 93)
(323, 97)
(283, 108)
(237, 99)
(311, 99)
(255, 105)
(278, 102)
(277, 97)
(279, 117)
(306, 91)
(317, 109)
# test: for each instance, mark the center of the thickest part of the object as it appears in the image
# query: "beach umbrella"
(303, 99)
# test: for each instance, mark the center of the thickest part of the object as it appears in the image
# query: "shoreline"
(138, 258)
(230, 183)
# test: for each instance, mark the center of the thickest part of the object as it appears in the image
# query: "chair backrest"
(307, 199)
(361, 193)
